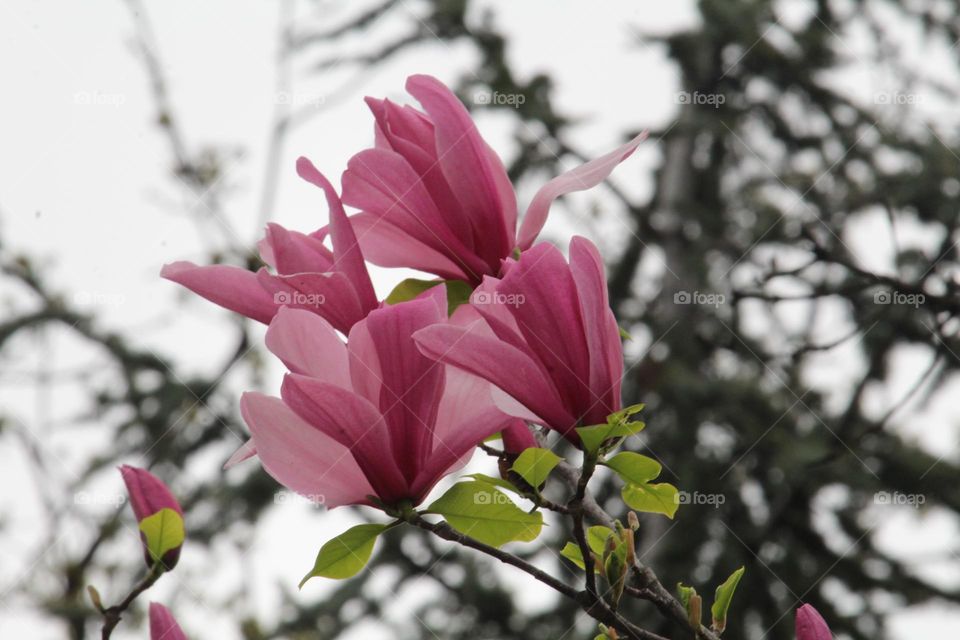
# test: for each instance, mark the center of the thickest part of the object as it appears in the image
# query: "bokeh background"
(782, 250)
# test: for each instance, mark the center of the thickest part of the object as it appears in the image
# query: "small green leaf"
(652, 498)
(618, 425)
(493, 481)
(685, 592)
(722, 598)
(348, 553)
(634, 468)
(535, 464)
(625, 334)
(458, 292)
(163, 532)
(480, 511)
(596, 540)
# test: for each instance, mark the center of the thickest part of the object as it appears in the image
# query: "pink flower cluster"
(380, 417)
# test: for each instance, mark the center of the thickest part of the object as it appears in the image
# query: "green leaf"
(493, 481)
(625, 334)
(348, 553)
(722, 598)
(618, 425)
(163, 532)
(596, 540)
(458, 292)
(685, 592)
(535, 464)
(652, 498)
(482, 512)
(634, 468)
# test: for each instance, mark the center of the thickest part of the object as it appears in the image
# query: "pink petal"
(246, 451)
(301, 457)
(230, 287)
(811, 625)
(354, 423)
(541, 294)
(163, 626)
(600, 325)
(411, 383)
(294, 252)
(307, 344)
(330, 295)
(517, 437)
(387, 245)
(505, 366)
(348, 258)
(382, 183)
(473, 172)
(586, 176)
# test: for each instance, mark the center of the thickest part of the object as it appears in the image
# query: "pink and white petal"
(246, 451)
(466, 162)
(331, 295)
(307, 344)
(354, 423)
(348, 257)
(542, 296)
(586, 176)
(230, 287)
(387, 245)
(600, 326)
(301, 457)
(505, 366)
(412, 384)
(295, 252)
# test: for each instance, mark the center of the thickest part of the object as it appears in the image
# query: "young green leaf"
(163, 532)
(618, 425)
(652, 498)
(492, 481)
(684, 592)
(722, 598)
(596, 540)
(634, 468)
(482, 512)
(348, 553)
(535, 464)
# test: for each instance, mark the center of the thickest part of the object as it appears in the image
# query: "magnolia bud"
(811, 625)
(148, 496)
(163, 626)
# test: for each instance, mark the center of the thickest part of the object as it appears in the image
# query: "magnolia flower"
(811, 625)
(548, 339)
(435, 197)
(332, 283)
(163, 626)
(148, 495)
(372, 417)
